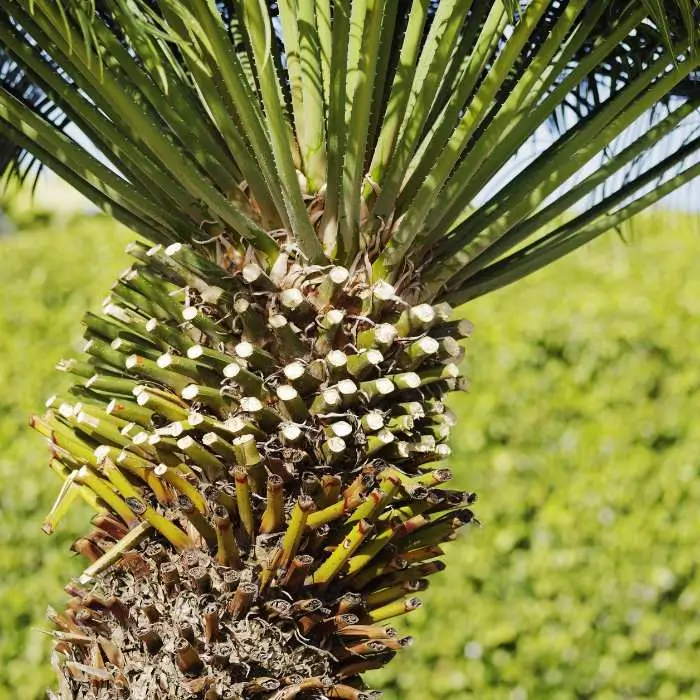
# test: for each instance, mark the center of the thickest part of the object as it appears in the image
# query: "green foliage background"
(580, 435)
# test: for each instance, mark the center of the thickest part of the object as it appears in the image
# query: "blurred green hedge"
(580, 435)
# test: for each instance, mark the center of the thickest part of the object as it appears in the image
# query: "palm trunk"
(265, 456)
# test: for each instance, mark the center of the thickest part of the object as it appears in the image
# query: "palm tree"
(258, 417)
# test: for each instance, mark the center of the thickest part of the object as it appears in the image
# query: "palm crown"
(258, 420)
(354, 127)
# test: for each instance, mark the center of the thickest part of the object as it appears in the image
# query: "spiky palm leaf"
(258, 420)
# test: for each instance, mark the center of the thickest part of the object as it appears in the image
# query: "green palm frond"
(14, 160)
(363, 130)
